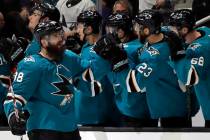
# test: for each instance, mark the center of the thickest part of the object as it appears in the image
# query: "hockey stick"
(202, 21)
(6, 82)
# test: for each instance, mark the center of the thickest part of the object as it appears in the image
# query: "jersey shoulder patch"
(29, 59)
(152, 51)
(194, 46)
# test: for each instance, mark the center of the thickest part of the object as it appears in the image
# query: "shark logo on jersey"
(152, 51)
(63, 89)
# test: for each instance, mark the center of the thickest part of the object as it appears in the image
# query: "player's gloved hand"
(177, 49)
(18, 125)
(108, 48)
(13, 50)
(74, 44)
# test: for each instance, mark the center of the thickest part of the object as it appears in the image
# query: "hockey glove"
(109, 49)
(18, 124)
(13, 50)
(177, 49)
(74, 44)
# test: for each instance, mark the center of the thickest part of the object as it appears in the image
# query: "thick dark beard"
(142, 39)
(55, 52)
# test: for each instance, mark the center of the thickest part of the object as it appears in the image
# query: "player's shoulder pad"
(204, 28)
(134, 42)
(69, 53)
(30, 61)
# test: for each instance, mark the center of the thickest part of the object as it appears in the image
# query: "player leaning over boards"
(192, 68)
(11, 52)
(120, 47)
(165, 98)
(100, 107)
(42, 84)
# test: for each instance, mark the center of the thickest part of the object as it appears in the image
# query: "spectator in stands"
(69, 10)
(157, 4)
(146, 4)
(123, 6)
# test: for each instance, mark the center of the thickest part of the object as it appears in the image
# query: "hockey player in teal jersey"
(4, 72)
(100, 107)
(43, 85)
(164, 96)
(40, 12)
(11, 52)
(192, 68)
(133, 106)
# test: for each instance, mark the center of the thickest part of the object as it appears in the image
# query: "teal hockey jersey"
(194, 69)
(130, 103)
(45, 89)
(164, 95)
(93, 110)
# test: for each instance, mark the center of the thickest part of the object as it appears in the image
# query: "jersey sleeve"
(25, 83)
(75, 63)
(186, 72)
(199, 58)
(90, 79)
(147, 70)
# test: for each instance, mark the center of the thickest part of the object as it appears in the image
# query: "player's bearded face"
(56, 45)
(142, 36)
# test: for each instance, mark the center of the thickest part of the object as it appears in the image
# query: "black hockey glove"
(177, 49)
(18, 125)
(13, 50)
(108, 48)
(74, 44)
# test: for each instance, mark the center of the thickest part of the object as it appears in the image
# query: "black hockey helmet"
(152, 19)
(46, 28)
(120, 20)
(90, 17)
(47, 10)
(182, 17)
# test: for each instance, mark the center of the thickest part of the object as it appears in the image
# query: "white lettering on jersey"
(29, 59)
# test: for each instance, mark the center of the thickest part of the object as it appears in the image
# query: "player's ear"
(44, 43)
(184, 30)
(88, 30)
(146, 31)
